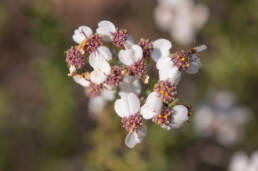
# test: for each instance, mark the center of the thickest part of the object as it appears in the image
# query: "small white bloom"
(168, 71)
(239, 162)
(180, 115)
(82, 33)
(129, 104)
(221, 117)
(80, 80)
(181, 18)
(135, 137)
(161, 49)
(195, 65)
(152, 106)
(130, 85)
(106, 29)
(127, 107)
(99, 63)
(131, 55)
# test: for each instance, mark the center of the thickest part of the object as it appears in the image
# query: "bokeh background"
(44, 120)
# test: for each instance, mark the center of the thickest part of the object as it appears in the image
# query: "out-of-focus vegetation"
(44, 122)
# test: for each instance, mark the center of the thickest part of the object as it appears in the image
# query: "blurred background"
(45, 124)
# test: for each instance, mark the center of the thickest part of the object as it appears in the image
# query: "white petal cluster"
(99, 59)
(241, 162)
(152, 106)
(82, 33)
(161, 48)
(181, 18)
(124, 73)
(179, 116)
(135, 137)
(130, 55)
(222, 116)
(106, 29)
(99, 62)
(80, 80)
(130, 85)
(169, 71)
(129, 104)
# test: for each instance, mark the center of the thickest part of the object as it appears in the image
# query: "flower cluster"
(109, 61)
(221, 117)
(181, 18)
(241, 162)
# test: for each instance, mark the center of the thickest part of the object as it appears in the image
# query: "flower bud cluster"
(109, 61)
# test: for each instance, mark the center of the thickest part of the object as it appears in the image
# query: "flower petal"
(99, 63)
(138, 53)
(80, 80)
(133, 103)
(130, 85)
(105, 30)
(129, 42)
(200, 48)
(97, 77)
(164, 62)
(121, 106)
(161, 48)
(105, 52)
(135, 137)
(167, 70)
(130, 56)
(152, 106)
(194, 65)
(240, 162)
(180, 115)
(170, 73)
(82, 33)
(126, 56)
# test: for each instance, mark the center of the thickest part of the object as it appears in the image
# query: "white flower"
(135, 137)
(161, 49)
(131, 55)
(196, 62)
(129, 105)
(80, 80)
(99, 63)
(181, 18)
(106, 29)
(168, 71)
(195, 65)
(180, 115)
(99, 55)
(152, 106)
(239, 162)
(82, 33)
(130, 85)
(221, 117)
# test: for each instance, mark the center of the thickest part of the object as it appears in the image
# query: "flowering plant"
(109, 63)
